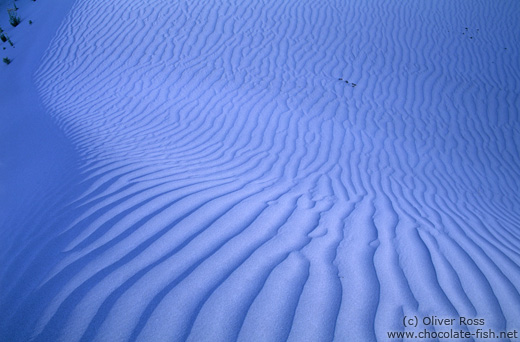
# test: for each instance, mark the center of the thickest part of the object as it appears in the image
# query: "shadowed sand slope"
(276, 170)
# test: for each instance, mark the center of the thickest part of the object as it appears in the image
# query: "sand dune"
(273, 171)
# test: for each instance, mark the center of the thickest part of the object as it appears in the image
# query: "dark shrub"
(14, 18)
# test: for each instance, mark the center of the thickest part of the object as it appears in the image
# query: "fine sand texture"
(296, 170)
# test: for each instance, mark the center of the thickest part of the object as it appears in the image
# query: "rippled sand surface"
(272, 171)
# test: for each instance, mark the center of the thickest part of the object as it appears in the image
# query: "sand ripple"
(234, 188)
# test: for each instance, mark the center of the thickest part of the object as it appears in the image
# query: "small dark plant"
(10, 42)
(7, 60)
(30, 22)
(14, 18)
(3, 37)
